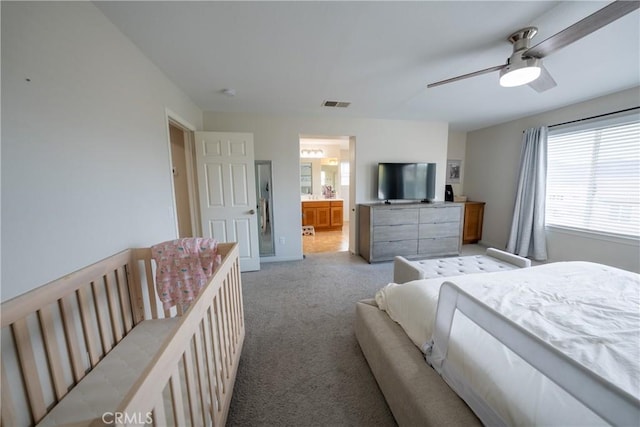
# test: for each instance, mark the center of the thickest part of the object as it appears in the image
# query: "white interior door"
(226, 183)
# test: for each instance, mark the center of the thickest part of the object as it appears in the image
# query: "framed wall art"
(453, 171)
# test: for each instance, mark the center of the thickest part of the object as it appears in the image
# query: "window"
(593, 177)
(344, 173)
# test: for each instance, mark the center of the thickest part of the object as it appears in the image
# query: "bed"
(571, 346)
(97, 348)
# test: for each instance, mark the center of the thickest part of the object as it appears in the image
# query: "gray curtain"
(527, 237)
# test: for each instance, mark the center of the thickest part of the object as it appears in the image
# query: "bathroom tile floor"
(327, 241)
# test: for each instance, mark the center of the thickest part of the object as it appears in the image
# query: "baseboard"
(268, 259)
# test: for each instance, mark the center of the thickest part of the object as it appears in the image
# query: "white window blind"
(593, 177)
(344, 173)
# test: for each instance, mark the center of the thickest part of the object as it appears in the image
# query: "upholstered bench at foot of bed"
(415, 393)
(493, 260)
(104, 387)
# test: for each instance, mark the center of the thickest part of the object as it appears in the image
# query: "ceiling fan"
(524, 66)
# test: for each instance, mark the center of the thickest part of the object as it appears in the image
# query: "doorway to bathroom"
(325, 192)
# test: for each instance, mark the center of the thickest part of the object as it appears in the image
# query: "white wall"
(491, 173)
(277, 139)
(85, 154)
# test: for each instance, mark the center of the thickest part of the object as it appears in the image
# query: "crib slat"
(230, 312)
(240, 306)
(235, 307)
(230, 325)
(238, 287)
(27, 361)
(234, 310)
(215, 356)
(225, 332)
(217, 341)
(114, 316)
(176, 398)
(83, 303)
(103, 326)
(187, 359)
(159, 417)
(235, 284)
(208, 357)
(200, 371)
(221, 343)
(71, 337)
(53, 352)
(135, 288)
(125, 299)
(151, 289)
(236, 304)
(7, 414)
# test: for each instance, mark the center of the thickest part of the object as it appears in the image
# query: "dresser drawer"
(437, 215)
(395, 216)
(389, 233)
(443, 246)
(316, 204)
(387, 250)
(443, 229)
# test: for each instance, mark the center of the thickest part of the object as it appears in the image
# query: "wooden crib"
(95, 348)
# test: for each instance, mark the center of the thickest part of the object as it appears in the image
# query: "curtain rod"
(594, 117)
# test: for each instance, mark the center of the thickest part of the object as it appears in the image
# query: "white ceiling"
(288, 57)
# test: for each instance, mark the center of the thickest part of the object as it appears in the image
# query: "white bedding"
(588, 311)
(413, 306)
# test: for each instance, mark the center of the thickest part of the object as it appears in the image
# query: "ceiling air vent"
(337, 104)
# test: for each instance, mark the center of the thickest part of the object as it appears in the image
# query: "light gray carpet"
(301, 364)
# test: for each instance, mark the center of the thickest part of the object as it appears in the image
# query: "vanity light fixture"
(312, 152)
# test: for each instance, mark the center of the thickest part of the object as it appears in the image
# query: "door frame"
(353, 210)
(188, 129)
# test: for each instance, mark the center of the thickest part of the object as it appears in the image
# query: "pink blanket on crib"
(184, 267)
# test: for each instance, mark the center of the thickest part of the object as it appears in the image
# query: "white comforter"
(589, 311)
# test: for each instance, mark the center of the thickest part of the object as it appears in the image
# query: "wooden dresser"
(473, 216)
(413, 230)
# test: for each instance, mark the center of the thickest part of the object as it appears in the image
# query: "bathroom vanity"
(323, 214)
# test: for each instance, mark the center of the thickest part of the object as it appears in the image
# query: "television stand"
(412, 230)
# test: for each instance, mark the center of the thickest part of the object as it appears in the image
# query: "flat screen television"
(407, 181)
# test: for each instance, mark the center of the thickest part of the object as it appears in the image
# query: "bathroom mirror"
(265, 207)
(306, 186)
(328, 175)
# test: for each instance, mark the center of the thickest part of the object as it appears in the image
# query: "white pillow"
(413, 306)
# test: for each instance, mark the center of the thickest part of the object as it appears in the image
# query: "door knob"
(252, 212)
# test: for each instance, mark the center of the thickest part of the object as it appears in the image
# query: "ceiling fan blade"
(586, 26)
(544, 82)
(466, 76)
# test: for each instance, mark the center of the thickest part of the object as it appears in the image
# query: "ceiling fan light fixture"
(520, 73)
